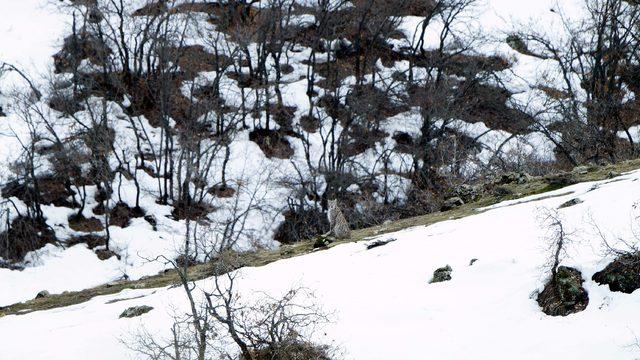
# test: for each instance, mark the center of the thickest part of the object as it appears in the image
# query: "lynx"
(339, 225)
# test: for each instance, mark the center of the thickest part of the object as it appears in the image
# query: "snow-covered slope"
(383, 303)
(31, 31)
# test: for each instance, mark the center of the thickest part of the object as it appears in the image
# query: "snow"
(73, 269)
(383, 304)
(31, 33)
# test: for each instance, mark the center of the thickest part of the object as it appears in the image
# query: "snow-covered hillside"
(33, 31)
(242, 149)
(383, 304)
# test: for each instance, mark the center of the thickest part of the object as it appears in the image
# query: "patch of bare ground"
(273, 143)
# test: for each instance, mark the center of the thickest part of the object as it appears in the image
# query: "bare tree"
(600, 50)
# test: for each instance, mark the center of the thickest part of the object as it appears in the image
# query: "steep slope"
(260, 182)
(385, 306)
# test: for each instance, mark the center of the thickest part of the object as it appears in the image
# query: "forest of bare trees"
(155, 98)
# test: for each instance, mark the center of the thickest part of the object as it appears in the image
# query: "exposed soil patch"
(301, 225)
(191, 210)
(310, 124)
(373, 104)
(104, 254)
(222, 191)
(488, 104)
(81, 223)
(121, 214)
(194, 59)
(293, 349)
(272, 143)
(52, 192)
(564, 295)
(463, 64)
(65, 103)
(92, 241)
(79, 47)
(152, 9)
(622, 275)
(25, 235)
(334, 107)
(223, 14)
(362, 139)
(283, 115)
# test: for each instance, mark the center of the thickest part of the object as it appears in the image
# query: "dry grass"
(264, 257)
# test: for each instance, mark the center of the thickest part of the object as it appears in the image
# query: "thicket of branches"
(121, 63)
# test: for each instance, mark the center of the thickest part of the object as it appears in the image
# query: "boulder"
(622, 275)
(11, 266)
(502, 191)
(151, 219)
(513, 177)
(42, 294)
(582, 170)
(570, 203)
(560, 179)
(104, 254)
(467, 193)
(442, 274)
(135, 311)
(452, 203)
(322, 242)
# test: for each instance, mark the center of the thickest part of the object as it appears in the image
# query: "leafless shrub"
(225, 325)
(563, 294)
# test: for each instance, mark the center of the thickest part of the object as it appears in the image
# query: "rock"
(473, 261)
(467, 193)
(186, 261)
(442, 274)
(622, 275)
(135, 311)
(452, 203)
(502, 191)
(152, 221)
(322, 242)
(613, 174)
(43, 294)
(513, 177)
(104, 254)
(8, 265)
(379, 243)
(517, 44)
(570, 203)
(565, 295)
(582, 170)
(560, 180)
(286, 250)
